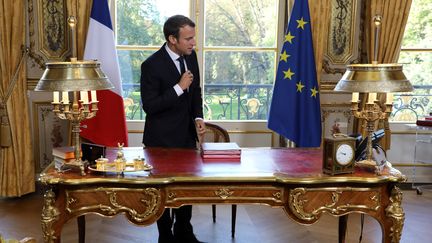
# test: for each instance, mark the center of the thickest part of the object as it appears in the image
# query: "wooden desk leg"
(233, 219)
(81, 228)
(342, 228)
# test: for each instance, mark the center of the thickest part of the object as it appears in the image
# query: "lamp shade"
(73, 76)
(374, 78)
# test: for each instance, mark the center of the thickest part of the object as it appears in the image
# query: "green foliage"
(139, 23)
(228, 24)
(241, 23)
(418, 32)
(417, 64)
(250, 23)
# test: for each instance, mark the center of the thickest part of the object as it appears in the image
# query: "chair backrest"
(215, 134)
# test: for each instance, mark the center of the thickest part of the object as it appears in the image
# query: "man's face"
(185, 42)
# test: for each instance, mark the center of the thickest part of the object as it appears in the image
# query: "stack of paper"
(230, 151)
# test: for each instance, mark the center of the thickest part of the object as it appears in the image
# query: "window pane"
(238, 85)
(418, 69)
(140, 22)
(130, 71)
(241, 23)
(418, 32)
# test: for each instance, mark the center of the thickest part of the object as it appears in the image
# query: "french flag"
(108, 127)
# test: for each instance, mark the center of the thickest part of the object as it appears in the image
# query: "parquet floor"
(20, 217)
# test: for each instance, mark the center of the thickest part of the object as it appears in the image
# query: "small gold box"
(139, 164)
(100, 163)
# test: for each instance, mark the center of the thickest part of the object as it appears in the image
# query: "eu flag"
(295, 108)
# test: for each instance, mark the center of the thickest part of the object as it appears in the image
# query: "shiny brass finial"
(377, 20)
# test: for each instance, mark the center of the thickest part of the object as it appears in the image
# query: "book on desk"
(221, 151)
(66, 154)
(424, 123)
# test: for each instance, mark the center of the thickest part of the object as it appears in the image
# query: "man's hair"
(174, 23)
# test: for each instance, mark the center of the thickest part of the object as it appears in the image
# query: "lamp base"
(77, 165)
(383, 169)
(369, 165)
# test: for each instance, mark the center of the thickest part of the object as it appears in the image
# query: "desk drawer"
(229, 194)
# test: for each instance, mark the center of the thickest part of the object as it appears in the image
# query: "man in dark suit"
(171, 98)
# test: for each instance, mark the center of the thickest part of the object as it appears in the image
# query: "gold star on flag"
(301, 23)
(284, 56)
(289, 37)
(314, 92)
(288, 73)
(300, 86)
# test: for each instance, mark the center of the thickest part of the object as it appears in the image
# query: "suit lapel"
(170, 66)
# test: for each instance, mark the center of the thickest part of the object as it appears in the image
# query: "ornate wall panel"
(344, 40)
(48, 37)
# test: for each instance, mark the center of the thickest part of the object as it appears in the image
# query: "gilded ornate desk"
(287, 178)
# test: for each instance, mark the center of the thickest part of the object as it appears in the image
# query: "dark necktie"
(182, 65)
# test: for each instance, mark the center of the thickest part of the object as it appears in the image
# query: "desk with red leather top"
(291, 179)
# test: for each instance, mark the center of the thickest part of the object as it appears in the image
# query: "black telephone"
(361, 144)
(91, 152)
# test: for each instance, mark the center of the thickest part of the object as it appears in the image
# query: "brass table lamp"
(73, 80)
(372, 79)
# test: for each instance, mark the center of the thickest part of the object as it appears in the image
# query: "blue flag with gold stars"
(295, 108)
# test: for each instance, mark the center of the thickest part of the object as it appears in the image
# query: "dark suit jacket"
(170, 119)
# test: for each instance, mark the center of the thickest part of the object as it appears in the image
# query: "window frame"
(196, 11)
(412, 49)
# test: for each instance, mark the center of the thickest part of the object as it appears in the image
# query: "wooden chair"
(216, 134)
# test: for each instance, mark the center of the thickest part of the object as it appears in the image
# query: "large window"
(236, 45)
(416, 55)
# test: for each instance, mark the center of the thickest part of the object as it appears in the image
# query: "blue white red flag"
(108, 127)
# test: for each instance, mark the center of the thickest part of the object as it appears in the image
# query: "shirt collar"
(174, 56)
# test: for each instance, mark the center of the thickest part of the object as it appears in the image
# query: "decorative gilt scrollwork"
(150, 199)
(298, 202)
(224, 193)
(71, 201)
(50, 214)
(396, 213)
(172, 195)
(277, 195)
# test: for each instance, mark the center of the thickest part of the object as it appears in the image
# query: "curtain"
(320, 15)
(81, 10)
(16, 154)
(394, 13)
(17, 174)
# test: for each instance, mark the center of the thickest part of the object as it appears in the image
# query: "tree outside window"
(416, 55)
(239, 52)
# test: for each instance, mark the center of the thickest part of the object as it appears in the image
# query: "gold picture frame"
(336, 118)
(49, 131)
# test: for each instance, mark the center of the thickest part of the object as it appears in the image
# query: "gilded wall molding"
(343, 45)
(48, 35)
